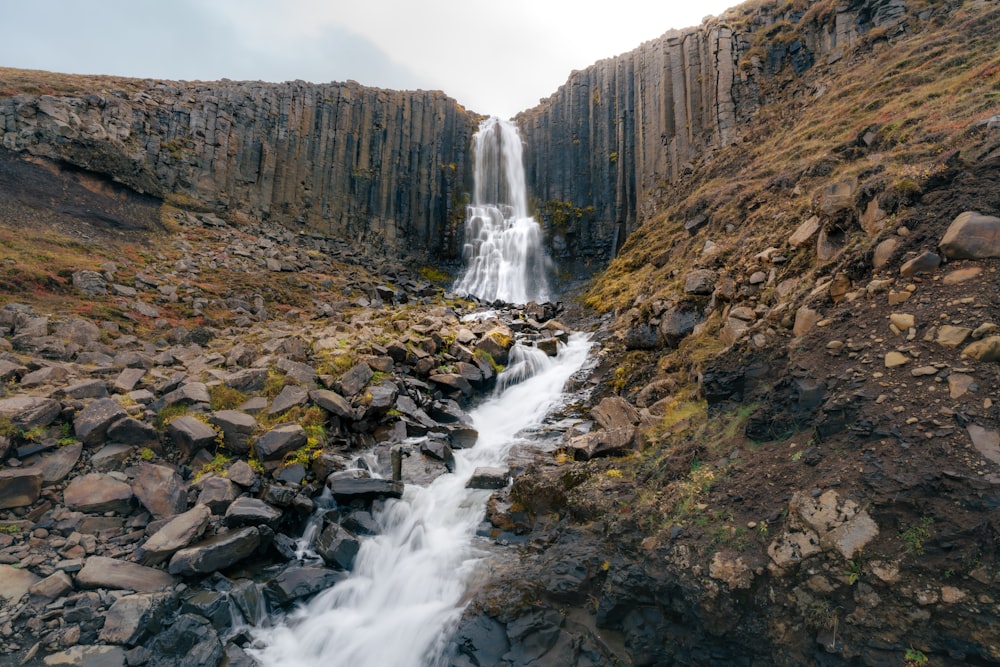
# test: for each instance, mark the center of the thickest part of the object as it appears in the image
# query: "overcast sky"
(493, 57)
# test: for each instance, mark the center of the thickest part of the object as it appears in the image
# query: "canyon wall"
(613, 138)
(385, 169)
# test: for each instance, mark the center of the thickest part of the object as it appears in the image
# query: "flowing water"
(503, 251)
(404, 595)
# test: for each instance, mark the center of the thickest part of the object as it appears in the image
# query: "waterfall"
(405, 594)
(503, 245)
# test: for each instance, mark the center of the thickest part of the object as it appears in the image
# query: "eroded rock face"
(243, 146)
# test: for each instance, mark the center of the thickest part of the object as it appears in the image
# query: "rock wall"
(385, 169)
(617, 133)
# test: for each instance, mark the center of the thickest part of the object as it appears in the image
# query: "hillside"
(787, 451)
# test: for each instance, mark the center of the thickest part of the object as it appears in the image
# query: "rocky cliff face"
(610, 140)
(383, 168)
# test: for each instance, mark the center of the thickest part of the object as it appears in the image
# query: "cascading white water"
(503, 250)
(403, 596)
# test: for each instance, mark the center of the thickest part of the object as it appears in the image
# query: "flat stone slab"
(97, 493)
(215, 553)
(300, 582)
(160, 490)
(488, 477)
(176, 534)
(103, 572)
(19, 487)
(88, 656)
(28, 412)
(364, 488)
(15, 582)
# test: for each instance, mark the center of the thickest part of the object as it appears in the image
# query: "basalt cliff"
(786, 450)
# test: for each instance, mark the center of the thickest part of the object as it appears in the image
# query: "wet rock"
(347, 489)
(279, 441)
(176, 534)
(488, 478)
(19, 488)
(160, 490)
(237, 428)
(97, 493)
(91, 424)
(251, 512)
(190, 640)
(299, 582)
(337, 546)
(103, 572)
(972, 236)
(215, 553)
(134, 617)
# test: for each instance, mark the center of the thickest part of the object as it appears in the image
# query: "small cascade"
(503, 250)
(405, 592)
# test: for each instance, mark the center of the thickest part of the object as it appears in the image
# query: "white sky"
(495, 58)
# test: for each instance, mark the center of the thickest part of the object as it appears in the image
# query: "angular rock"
(290, 396)
(215, 553)
(191, 435)
(189, 640)
(298, 582)
(173, 536)
(804, 232)
(497, 343)
(251, 512)
(926, 262)
(355, 379)
(895, 359)
(986, 442)
(805, 320)
(488, 478)
(614, 412)
(160, 490)
(337, 546)
(279, 441)
(614, 442)
(987, 349)
(972, 236)
(700, 282)
(952, 336)
(884, 252)
(237, 428)
(103, 572)
(19, 487)
(52, 587)
(347, 489)
(333, 403)
(217, 493)
(98, 493)
(91, 424)
(134, 617)
(452, 382)
(241, 473)
(90, 283)
(134, 433)
(28, 412)
(85, 389)
(128, 379)
(15, 583)
(88, 656)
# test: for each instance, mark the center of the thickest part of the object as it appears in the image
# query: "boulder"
(804, 232)
(216, 553)
(91, 424)
(355, 379)
(497, 343)
(337, 546)
(614, 412)
(333, 403)
(291, 396)
(279, 441)
(700, 282)
(98, 493)
(237, 428)
(52, 587)
(103, 572)
(247, 511)
(160, 490)
(488, 478)
(987, 349)
(298, 582)
(191, 435)
(15, 583)
(972, 236)
(28, 412)
(346, 489)
(217, 493)
(134, 433)
(925, 262)
(614, 442)
(90, 283)
(19, 487)
(189, 640)
(134, 617)
(174, 535)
